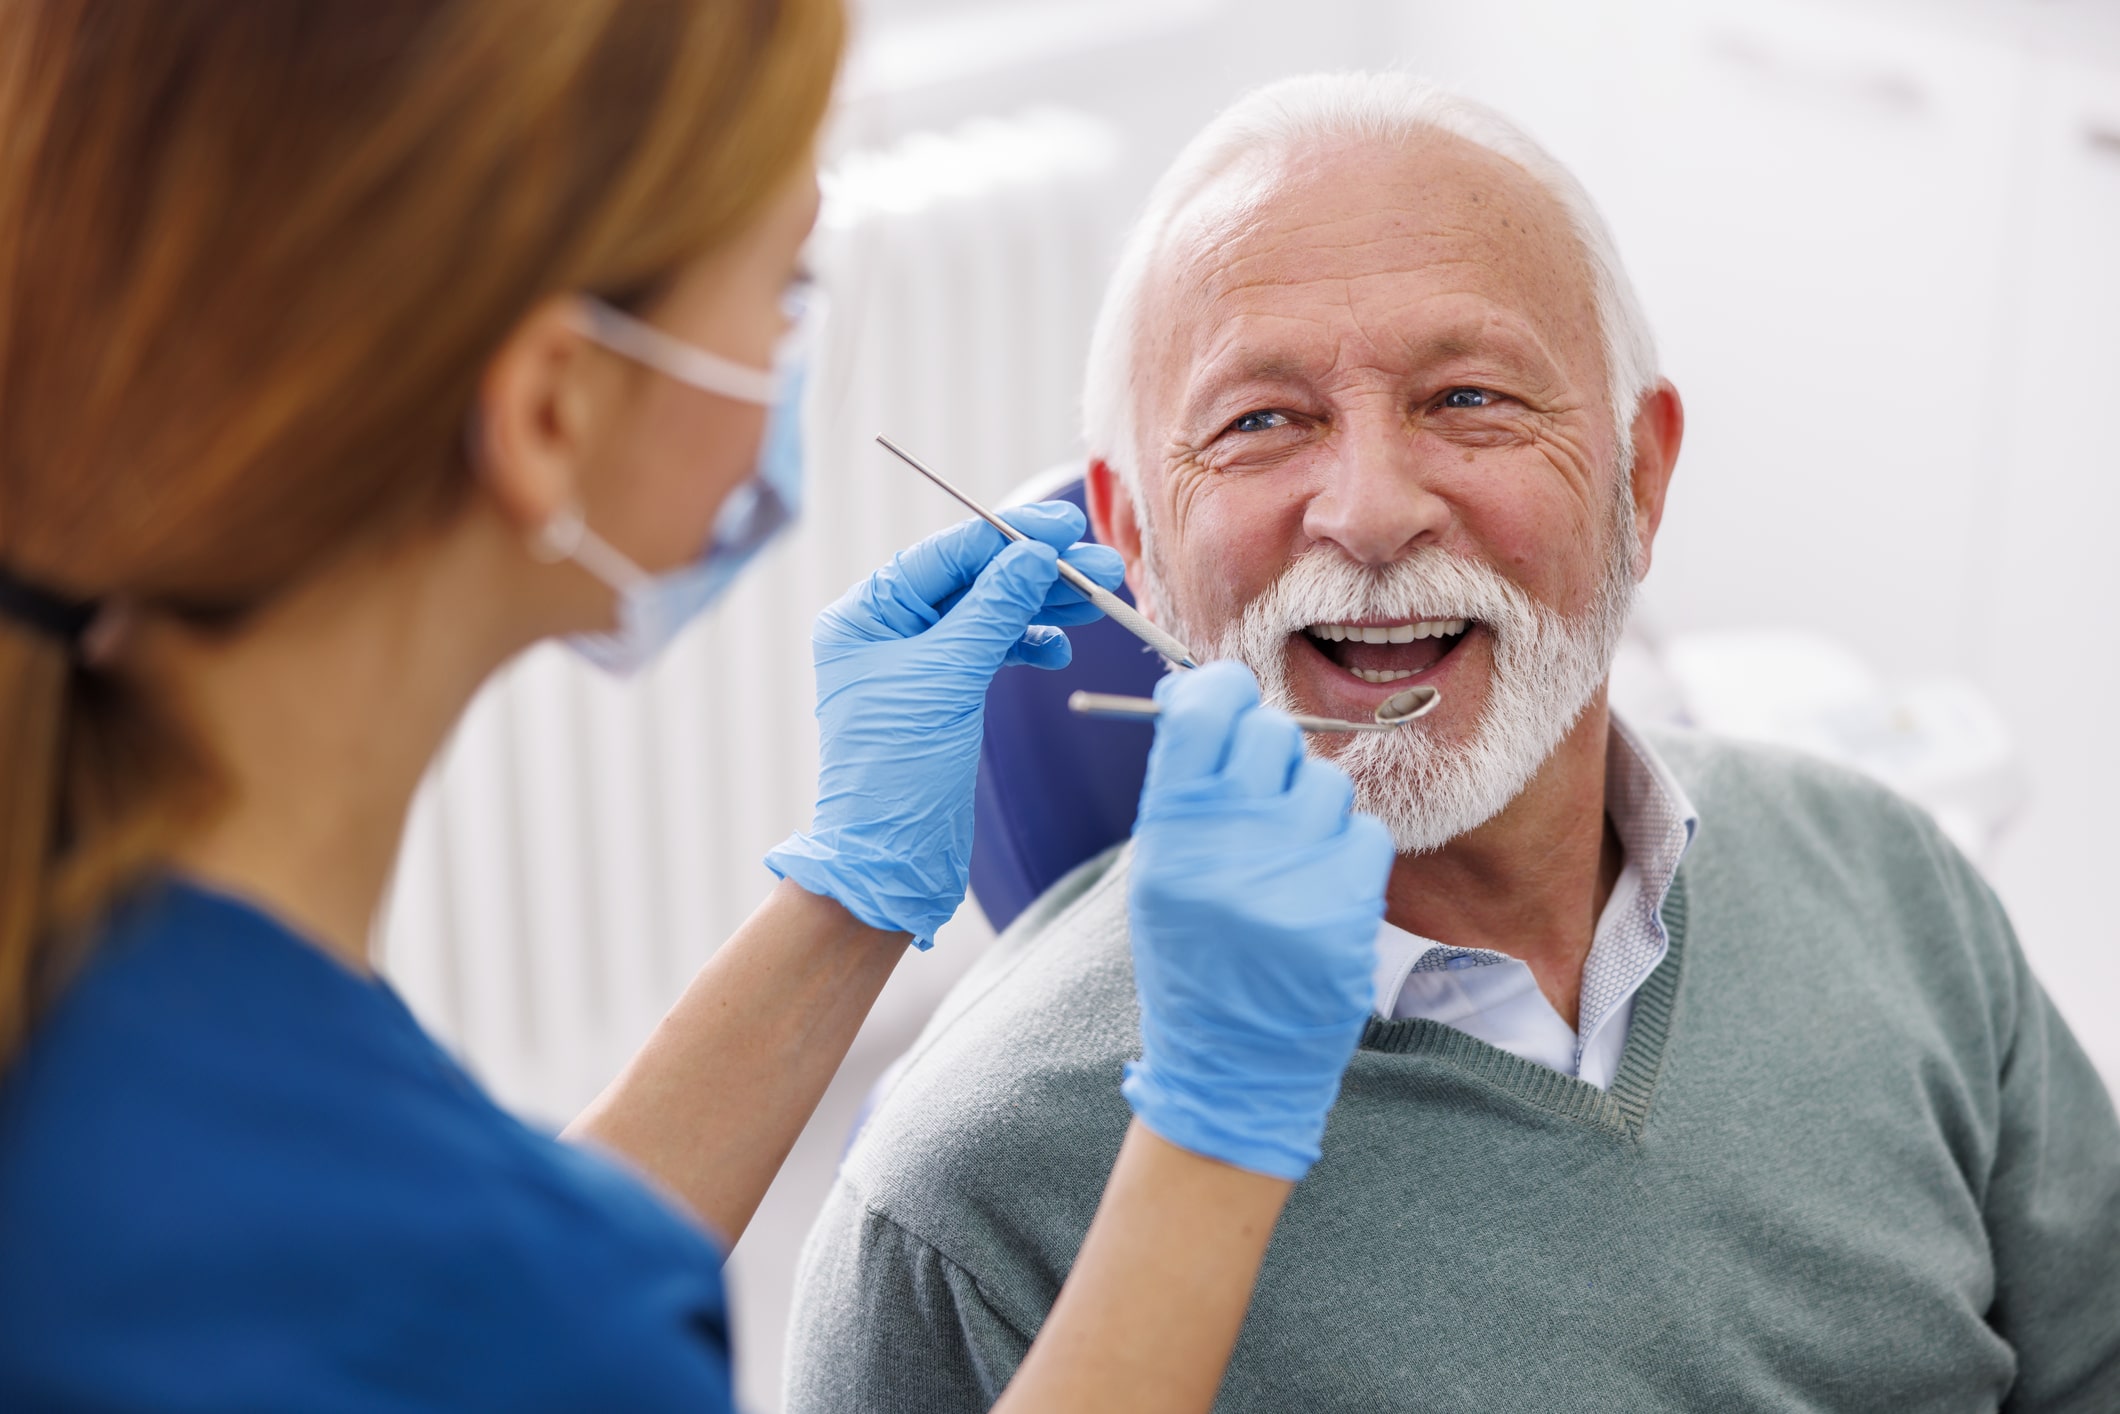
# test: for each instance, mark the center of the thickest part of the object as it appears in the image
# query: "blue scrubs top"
(235, 1175)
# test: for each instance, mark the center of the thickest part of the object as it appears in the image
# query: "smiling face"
(1376, 451)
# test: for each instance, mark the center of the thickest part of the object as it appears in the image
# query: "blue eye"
(1259, 422)
(1467, 398)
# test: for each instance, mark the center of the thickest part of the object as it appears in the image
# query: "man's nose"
(1374, 503)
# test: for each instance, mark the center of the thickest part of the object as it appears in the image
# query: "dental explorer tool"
(1396, 712)
(1115, 608)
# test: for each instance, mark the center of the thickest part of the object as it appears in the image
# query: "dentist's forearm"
(1150, 1313)
(714, 1101)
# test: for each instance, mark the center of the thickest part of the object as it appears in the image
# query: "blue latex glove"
(1255, 900)
(903, 662)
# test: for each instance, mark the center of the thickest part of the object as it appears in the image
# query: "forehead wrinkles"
(1350, 237)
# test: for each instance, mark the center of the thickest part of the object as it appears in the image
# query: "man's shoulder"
(1006, 1117)
(1775, 802)
(1792, 847)
(1721, 770)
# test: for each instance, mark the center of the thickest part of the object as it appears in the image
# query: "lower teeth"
(1382, 674)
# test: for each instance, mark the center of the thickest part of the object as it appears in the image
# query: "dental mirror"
(1395, 712)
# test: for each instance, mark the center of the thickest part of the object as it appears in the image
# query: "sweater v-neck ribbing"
(1624, 1109)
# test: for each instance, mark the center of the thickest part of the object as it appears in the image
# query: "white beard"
(1547, 668)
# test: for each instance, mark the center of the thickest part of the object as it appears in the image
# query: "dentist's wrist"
(832, 865)
(1270, 1125)
(825, 916)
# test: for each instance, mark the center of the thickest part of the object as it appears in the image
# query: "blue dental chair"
(1055, 788)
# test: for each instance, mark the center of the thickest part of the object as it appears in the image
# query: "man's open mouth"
(1387, 652)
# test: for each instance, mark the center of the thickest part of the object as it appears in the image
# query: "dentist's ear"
(534, 424)
(1114, 519)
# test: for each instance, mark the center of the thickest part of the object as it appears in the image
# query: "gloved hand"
(1255, 901)
(903, 662)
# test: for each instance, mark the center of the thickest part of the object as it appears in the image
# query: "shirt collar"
(1650, 812)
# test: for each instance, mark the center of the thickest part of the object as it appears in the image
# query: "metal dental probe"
(1396, 712)
(1115, 608)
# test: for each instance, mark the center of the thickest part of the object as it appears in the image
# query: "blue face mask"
(652, 609)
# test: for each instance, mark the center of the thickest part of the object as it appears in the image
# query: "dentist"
(346, 350)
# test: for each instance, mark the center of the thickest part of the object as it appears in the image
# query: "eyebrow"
(1507, 345)
(1219, 380)
(1264, 368)
(1508, 349)
(1442, 346)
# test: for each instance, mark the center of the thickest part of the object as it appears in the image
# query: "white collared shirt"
(1495, 998)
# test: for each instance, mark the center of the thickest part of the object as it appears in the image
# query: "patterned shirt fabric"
(1494, 997)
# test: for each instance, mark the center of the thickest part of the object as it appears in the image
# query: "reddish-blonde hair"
(253, 257)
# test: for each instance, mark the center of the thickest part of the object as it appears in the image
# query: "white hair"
(1336, 110)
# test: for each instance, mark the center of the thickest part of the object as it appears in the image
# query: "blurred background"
(1879, 241)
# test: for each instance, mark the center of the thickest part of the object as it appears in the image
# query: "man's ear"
(1112, 518)
(531, 427)
(1659, 427)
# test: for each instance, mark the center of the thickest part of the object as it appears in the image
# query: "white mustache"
(1324, 586)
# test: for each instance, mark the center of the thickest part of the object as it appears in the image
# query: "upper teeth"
(1388, 633)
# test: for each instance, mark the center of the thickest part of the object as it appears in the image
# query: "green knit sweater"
(1852, 1160)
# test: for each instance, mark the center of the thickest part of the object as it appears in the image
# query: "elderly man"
(1700, 1077)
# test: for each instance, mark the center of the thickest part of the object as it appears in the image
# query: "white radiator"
(583, 844)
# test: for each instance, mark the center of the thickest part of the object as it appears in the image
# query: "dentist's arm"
(711, 1105)
(714, 1101)
(1150, 1314)
(1254, 906)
